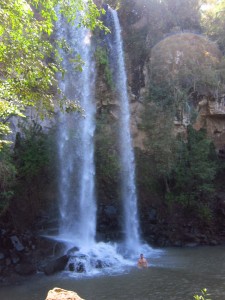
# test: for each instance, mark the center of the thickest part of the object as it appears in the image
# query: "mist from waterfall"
(127, 160)
(76, 170)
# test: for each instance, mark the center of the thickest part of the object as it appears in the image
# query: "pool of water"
(175, 274)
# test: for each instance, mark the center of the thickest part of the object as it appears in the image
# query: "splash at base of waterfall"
(104, 259)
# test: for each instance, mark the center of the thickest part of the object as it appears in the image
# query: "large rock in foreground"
(60, 294)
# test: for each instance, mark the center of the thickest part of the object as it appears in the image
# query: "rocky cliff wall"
(151, 53)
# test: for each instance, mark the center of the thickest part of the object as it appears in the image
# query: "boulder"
(17, 243)
(98, 264)
(71, 267)
(71, 251)
(60, 294)
(80, 267)
(56, 265)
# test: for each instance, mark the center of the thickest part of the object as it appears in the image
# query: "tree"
(192, 179)
(33, 158)
(213, 21)
(183, 14)
(29, 60)
(7, 178)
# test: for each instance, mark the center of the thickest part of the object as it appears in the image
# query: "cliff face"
(181, 69)
(190, 60)
(192, 63)
(211, 115)
(175, 79)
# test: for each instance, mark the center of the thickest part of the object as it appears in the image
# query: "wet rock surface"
(56, 265)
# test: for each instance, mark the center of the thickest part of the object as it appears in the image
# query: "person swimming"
(142, 262)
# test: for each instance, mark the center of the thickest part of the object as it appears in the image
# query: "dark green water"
(174, 275)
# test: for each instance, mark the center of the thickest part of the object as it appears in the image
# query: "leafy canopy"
(213, 21)
(29, 60)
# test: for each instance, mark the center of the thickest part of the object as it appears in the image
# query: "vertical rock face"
(211, 115)
(142, 30)
(192, 61)
(144, 56)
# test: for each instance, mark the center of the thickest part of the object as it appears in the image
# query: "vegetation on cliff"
(179, 168)
(29, 57)
(29, 63)
(167, 57)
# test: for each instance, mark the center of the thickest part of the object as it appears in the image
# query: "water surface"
(175, 274)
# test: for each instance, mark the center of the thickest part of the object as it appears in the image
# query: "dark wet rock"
(25, 269)
(48, 247)
(80, 267)
(108, 226)
(213, 242)
(191, 245)
(110, 211)
(16, 243)
(177, 244)
(152, 216)
(71, 267)
(99, 264)
(56, 265)
(80, 256)
(73, 250)
(163, 241)
(7, 243)
(7, 261)
(15, 258)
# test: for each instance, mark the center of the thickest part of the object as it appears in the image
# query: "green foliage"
(204, 295)
(7, 178)
(158, 125)
(115, 4)
(183, 14)
(161, 94)
(213, 22)
(106, 159)
(31, 151)
(29, 61)
(185, 67)
(147, 175)
(187, 168)
(32, 157)
(192, 179)
(102, 62)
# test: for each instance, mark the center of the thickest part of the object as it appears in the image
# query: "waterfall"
(128, 187)
(76, 168)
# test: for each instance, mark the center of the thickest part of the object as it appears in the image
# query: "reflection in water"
(176, 274)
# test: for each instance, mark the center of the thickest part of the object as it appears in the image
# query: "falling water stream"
(173, 273)
(129, 197)
(76, 175)
(75, 143)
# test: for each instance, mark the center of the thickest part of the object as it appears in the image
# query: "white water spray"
(75, 143)
(129, 197)
(76, 164)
